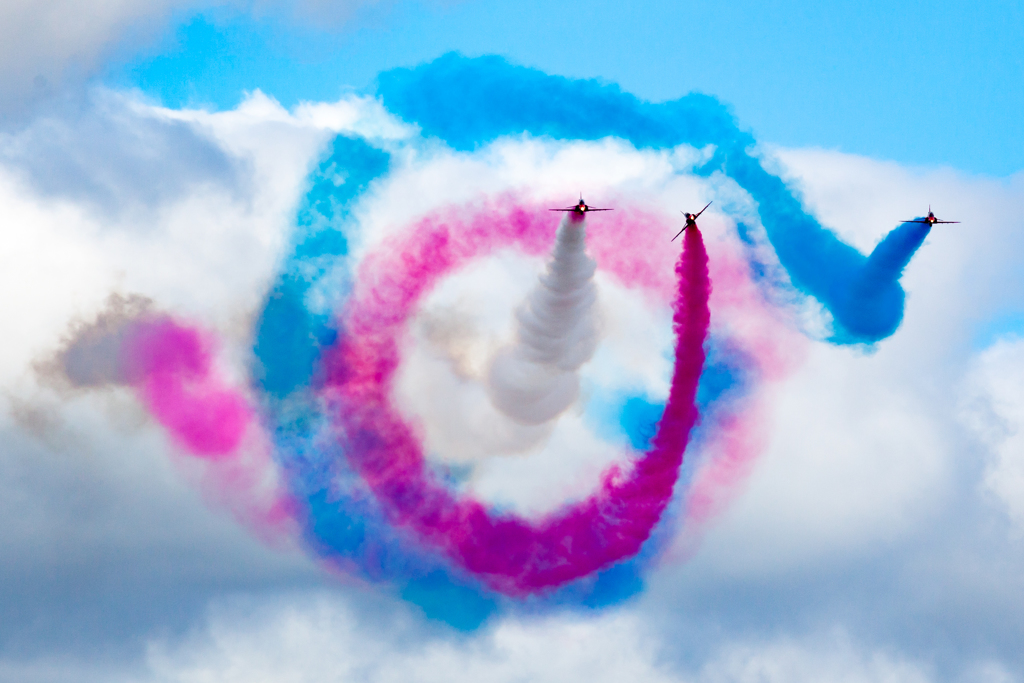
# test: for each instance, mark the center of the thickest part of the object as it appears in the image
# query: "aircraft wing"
(589, 209)
(678, 234)
(917, 220)
(572, 209)
(947, 221)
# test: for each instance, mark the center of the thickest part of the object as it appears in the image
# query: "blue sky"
(923, 83)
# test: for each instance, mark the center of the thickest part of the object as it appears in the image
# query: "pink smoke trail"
(511, 554)
(767, 335)
(740, 429)
(170, 367)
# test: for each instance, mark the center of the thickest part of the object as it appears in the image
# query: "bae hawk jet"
(930, 219)
(691, 221)
(580, 208)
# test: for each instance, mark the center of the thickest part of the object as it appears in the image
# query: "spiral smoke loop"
(535, 379)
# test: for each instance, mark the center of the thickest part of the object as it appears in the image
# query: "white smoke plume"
(535, 379)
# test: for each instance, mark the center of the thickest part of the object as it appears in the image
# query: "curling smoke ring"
(508, 553)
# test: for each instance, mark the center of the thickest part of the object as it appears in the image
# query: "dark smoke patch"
(89, 354)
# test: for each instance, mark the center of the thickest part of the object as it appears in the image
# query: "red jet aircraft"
(691, 221)
(930, 219)
(580, 208)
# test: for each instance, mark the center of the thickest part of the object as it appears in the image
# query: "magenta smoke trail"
(511, 554)
(170, 366)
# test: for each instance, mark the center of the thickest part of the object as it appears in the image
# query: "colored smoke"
(535, 380)
(877, 288)
(90, 356)
(471, 102)
(290, 333)
(509, 553)
(170, 365)
(329, 341)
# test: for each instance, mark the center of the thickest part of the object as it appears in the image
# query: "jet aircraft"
(930, 219)
(580, 208)
(691, 221)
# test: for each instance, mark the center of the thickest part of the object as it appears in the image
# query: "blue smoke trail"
(877, 286)
(471, 102)
(289, 335)
(342, 521)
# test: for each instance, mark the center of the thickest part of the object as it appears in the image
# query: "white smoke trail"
(535, 379)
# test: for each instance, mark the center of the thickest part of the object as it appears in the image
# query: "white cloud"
(833, 659)
(320, 640)
(855, 459)
(45, 42)
(993, 407)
